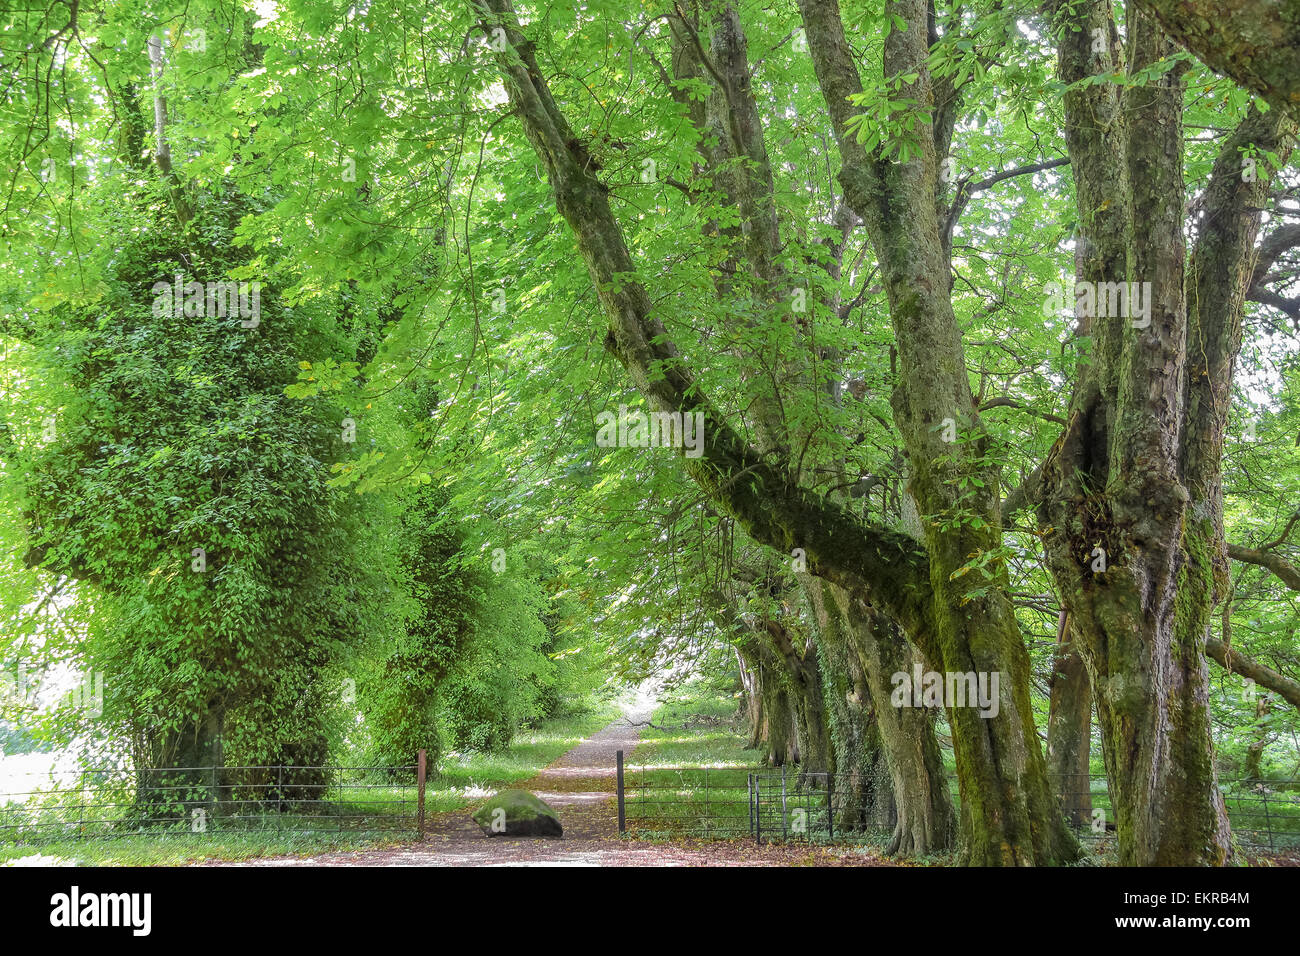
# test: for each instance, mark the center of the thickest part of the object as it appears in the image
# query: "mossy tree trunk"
(926, 820)
(1069, 727)
(1256, 42)
(755, 719)
(1010, 816)
(801, 681)
(1131, 499)
(782, 742)
(863, 793)
(1251, 768)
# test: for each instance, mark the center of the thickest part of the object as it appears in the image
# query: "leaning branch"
(761, 495)
(966, 189)
(1279, 565)
(1258, 44)
(1238, 663)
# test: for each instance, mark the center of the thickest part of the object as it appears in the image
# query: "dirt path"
(581, 786)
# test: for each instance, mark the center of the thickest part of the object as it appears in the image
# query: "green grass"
(689, 777)
(694, 741)
(667, 773)
(466, 779)
(461, 780)
(147, 850)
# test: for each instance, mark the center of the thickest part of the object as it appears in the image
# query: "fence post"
(421, 769)
(749, 798)
(758, 810)
(622, 812)
(830, 808)
(1268, 823)
(784, 812)
(706, 803)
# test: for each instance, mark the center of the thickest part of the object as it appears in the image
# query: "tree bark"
(1132, 499)
(1009, 813)
(1256, 42)
(864, 795)
(926, 821)
(782, 745)
(749, 682)
(1069, 728)
(1255, 752)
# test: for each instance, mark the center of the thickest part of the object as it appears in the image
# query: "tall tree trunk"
(1009, 813)
(801, 681)
(863, 792)
(813, 726)
(1132, 502)
(782, 747)
(749, 682)
(1069, 727)
(1255, 752)
(926, 821)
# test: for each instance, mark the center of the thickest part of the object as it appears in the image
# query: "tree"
(836, 235)
(1260, 49)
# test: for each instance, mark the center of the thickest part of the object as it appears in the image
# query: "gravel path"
(581, 786)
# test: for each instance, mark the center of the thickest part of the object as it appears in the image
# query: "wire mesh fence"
(1264, 814)
(101, 803)
(739, 802)
(775, 805)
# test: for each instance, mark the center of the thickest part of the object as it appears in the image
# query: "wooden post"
(1268, 823)
(784, 813)
(421, 765)
(706, 803)
(622, 817)
(830, 807)
(749, 798)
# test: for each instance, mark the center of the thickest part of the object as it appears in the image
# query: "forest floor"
(581, 787)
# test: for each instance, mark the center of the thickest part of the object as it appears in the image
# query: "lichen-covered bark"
(924, 819)
(1069, 727)
(1009, 813)
(1255, 752)
(782, 747)
(800, 679)
(863, 794)
(1256, 42)
(781, 668)
(1135, 473)
(812, 724)
(753, 693)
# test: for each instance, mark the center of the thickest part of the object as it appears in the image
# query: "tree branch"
(760, 495)
(1279, 565)
(966, 190)
(1255, 42)
(1238, 663)
(1007, 402)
